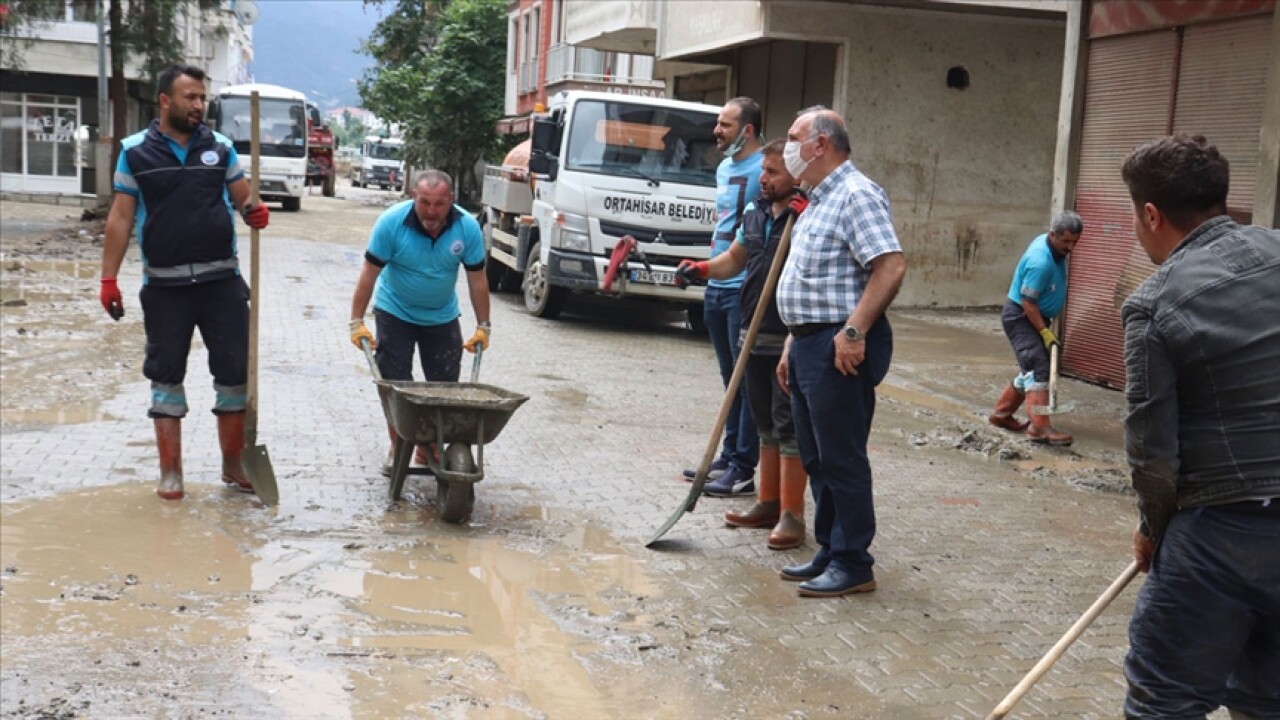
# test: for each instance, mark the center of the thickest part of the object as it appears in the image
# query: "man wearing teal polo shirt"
(414, 253)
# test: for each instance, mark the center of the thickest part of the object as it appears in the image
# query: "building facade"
(54, 93)
(1140, 69)
(541, 63)
(951, 106)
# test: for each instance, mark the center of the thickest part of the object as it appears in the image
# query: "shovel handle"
(1053, 377)
(475, 364)
(368, 355)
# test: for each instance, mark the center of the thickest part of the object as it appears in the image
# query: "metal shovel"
(1054, 407)
(257, 463)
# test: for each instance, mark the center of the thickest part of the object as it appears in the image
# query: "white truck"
(381, 163)
(282, 127)
(602, 167)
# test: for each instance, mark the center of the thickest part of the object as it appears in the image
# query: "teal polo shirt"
(419, 278)
(1041, 277)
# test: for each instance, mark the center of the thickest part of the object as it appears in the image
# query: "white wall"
(969, 172)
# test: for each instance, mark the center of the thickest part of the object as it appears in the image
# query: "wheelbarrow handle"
(475, 364)
(368, 355)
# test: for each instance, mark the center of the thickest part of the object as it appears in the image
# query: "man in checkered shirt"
(844, 269)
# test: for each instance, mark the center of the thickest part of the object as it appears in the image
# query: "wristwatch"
(852, 334)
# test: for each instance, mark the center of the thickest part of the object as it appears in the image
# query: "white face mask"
(791, 157)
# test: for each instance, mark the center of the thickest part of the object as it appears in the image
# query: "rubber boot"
(169, 443)
(1009, 402)
(231, 440)
(764, 513)
(1042, 431)
(790, 531)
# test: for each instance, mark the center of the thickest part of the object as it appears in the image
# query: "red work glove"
(689, 272)
(109, 295)
(798, 203)
(255, 216)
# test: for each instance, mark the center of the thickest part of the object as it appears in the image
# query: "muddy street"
(339, 603)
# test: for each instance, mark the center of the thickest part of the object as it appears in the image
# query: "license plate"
(658, 277)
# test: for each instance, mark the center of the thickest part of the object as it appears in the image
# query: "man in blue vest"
(413, 257)
(179, 183)
(737, 134)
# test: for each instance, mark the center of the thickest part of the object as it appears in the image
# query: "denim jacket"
(1202, 351)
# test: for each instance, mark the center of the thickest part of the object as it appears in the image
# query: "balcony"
(629, 26)
(696, 27)
(577, 68)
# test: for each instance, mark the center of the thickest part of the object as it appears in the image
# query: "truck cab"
(282, 130)
(604, 167)
(381, 163)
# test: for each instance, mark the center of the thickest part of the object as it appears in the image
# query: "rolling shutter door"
(1127, 102)
(1220, 95)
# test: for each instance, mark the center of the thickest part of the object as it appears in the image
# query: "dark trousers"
(170, 316)
(1027, 344)
(770, 406)
(722, 313)
(439, 348)
(832, 414)
(1206, 628)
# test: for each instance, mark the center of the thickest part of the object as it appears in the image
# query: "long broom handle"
(740, 368)
(1051, 657)
(251, 409)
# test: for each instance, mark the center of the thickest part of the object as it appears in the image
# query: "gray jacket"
(1202, 351)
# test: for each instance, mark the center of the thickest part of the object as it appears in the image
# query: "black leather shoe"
(836, 582)
(807, 571)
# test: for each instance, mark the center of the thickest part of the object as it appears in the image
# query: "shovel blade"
(257, 465)
(690, 502)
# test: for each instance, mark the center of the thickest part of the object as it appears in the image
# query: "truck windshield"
(381, 151)
(281, 126)
(661, 143)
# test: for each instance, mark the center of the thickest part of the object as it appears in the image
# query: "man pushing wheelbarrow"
(413, 257)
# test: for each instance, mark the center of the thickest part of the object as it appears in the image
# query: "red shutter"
(1220, 92)
(1129, 84)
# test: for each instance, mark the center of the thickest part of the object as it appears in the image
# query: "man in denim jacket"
(1202, 350)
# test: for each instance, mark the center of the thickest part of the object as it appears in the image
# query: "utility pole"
(103, 172)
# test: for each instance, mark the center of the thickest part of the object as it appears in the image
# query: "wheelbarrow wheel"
(455, 500)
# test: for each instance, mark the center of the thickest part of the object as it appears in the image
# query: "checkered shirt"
(847, 225)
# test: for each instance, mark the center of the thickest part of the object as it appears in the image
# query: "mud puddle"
(117, 604)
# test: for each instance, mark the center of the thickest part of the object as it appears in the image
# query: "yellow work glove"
(1048, 337)
(481, 338)
(360, 332)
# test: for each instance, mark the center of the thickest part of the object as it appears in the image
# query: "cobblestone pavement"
(986, 552)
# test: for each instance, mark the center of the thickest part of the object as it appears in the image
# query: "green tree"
(351, 131)
(439, 75)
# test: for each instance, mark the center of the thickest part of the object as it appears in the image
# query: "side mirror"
(545, 135)
(541, 163)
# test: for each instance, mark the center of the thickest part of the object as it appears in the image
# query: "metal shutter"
(1220, 93)
(1129, 88)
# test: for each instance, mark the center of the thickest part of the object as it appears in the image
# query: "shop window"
(11, 137)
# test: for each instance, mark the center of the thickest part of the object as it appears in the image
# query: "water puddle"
(403, 617)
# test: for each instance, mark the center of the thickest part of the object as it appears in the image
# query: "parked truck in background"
(321, 149)
(381, 163)
(282, 130)
(602, 167)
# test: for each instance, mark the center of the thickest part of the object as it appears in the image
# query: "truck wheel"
(697, 323)
(330, 186)
(540, 298)
(355, 179)
(291, 204)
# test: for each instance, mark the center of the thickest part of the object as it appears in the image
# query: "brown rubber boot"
(1009, 402)
(391, 452)
(764, 513)
(169, 443)
(790, 531)
(231, 440)
(1042, 431)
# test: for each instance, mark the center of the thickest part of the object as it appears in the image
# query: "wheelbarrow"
(453, 416)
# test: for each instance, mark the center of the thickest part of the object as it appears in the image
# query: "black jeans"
(170, 315)
(439, 348)
(770, 406)
(1206, 628)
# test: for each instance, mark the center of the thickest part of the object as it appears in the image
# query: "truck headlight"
(569, 231)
